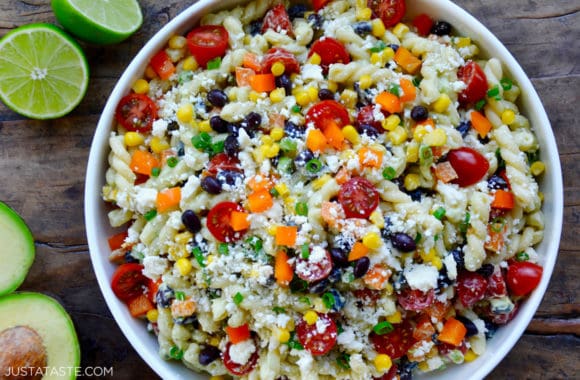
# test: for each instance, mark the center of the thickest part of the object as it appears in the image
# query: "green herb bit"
(279, 310)
(304, 299)
(493, 92)
(296, 108)
(506, 84)
(522, 256)
(533, 156)
(418, 237)
(256, 243)
(223, 249)
(172, 162)
(214, 64)
(155, 172)
(201, 141)
(217, 148)
(328, 300)
(479, 105)
(314, 165)
(380, 46)
(176, 353)
(439, 213)
(417, 81)
(180, 296)
(301, 209)
(149, 215)
(288, 145)
(185, 76)
(383, 328)
(198, 254)
(274, 192)
(238, 298)
(389, 173)
(305, 251)
(464, 226)
(395, 89)
(293, 343)
(343, 361)
(498, 224)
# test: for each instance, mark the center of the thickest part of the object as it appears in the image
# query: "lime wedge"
(99, 21)
(43, 72)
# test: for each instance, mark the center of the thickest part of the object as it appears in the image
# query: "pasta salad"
(326, 190)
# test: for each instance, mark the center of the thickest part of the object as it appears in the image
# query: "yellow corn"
(177, 42)
(462, 42)
(391, 122)
(332, 86)
(372, 240)
(277, 133)
(351, 134)
(141, 86)
(419, 132)
(278, 69)
(365, 82)
(364, 14)
(183, 237)
(158, 144)
(210, 258)
(412, 152)
(395, 318)
(537, 168)
(383, 362)
(469, 356)
(437, 137)
(152, 315)
(378, 26)
(185, 113)
(398, 135)
(400, 30)
(428, 256)
(377, 219)
(508, 117)
(277, 95)
(204, 126)
(310, 317)
(302, 98)
(376, 59)
(214, 341)
(150, 73)
(412, 181)
(437, 263)
(387, 54)
(423, 366)
(184, 266)
(442, 103)
(272, 151)
(133, 139)
(282, 189)
(283, 335)
(388, 290)
(319, 182)
(190, 64)
(315, 59)
(319, 306)
(255, 96)
(349, 98)
(267, 140)
(312, 93)
(272, 230)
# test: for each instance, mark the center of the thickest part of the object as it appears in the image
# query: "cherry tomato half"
(207, 42)
(218, 222)
(523, 277)
(223, 162)
(496, 286)
(390, 11)
(136, 112)
(470, 165)
(358, 197)
(423, 23)
(313, 269)
(239, 369)
(330, 51)
(278, 20)
(396, 343)
(471, 287)
(366, 116)
(415, 299)
(318, 338)
(475, 80)
(326, 111)
(129, 281)
(319, 4)
(278, 54)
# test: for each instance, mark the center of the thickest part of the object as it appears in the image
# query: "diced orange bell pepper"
(503, 200)
(263, 82)
(239, 221)
(143, 162)
(389, 102)
(238, 334)
(377, 277)
(358, 251)
(251, 61)
(407, 60)
(168, 199)
(286, 235)
(480, 123)
(139, 306)
(334, 136)
(370, 158)
(243, 76)
(453, 332)
(316, 141)
(260, 201)
(409, 90)
(282, 269)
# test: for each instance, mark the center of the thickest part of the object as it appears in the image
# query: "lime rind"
(43, 72)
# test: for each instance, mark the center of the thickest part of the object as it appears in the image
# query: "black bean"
(191, 221)
(361, 267)
(191, 320)
(315, 20)
(218, 124)
(217, 98)
(297, 11)
(490, 329)
(253, 120)
(325, 94)
(395, 47)
(486, 270)
(441, 28)
(255, 27)
(229, 177)
(403, 242)
(165, 295)
(293, 130)
(211, 185)
(335, 275)
(284, 81)
(172, 126)
(231, 145)
(343, 242)
(208, 354)
(496, 182)
(416, 195)
(458, 256)
(319, 287)
(405, 369)
(419, 113)
(366, 129)
(443, 280)
(362, 28)
(469, 325)
(302, 158)
(129, 258)
(339, 257)
(464, 127)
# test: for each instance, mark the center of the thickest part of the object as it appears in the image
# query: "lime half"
(43, 72)
(99, 21)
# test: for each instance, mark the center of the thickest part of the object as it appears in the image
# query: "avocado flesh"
(48, 318)
(16, 250)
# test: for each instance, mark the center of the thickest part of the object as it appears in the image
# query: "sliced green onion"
(418, 237)
(464, 225)
(425, 155)
(293, 343)
(176, 353)
(314, 165)
(238, 298)
(296, 108)
(328, 300)
(172, 162)
(217, 148)
(417, 81)
(255, 242)
(214, 64)
(305, 251)
(180, 296)
(380, 46)
(343, 361)
(389, 173)
(285, 165)
(301, 209)
(198, 254)
(479, 105)
(304, 299)
(279, 310)
(498, 224)
(439, 213)
(339, 328)
(288, 145)
(395, 89)
(149, 215)
(506, 84)
(493, 92)
(522, 256)
(201, 141)
(383, 328)
(274, 192)
(223, 249)
(155, 172)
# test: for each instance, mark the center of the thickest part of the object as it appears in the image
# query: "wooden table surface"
(44, 162)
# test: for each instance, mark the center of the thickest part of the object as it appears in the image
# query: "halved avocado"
(16, 249)
(36, 332)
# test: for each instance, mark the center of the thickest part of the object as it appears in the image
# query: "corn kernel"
(423, 366)
(428, 256)
(133, 139)
(152, 315)
(158, 144)
(177, 42)
(183, 237)
(351, 134)
(398, 135)
(315, 59)
(395, 318)
(260, 153)
(437, 137)
(273, 151)
(400, 30)
(469, 356)
(442, 103)
(412, 181)
(365, 82)
(437, 263)
(349, 98)
(377, 219)
(272, 230)
(376, 59)
(267, 140)
(302, 98)
(391, 122)
(419, 132)
(508, 117)
(319, 182)
(388, 54)
(185, 113)
(412, 152)
(150, 73)
(388, 290)
(462, 42)
(190, 64)
(277, 95)
(312, 93)
(184, 266)
(282, 189)
(210, 259)
(215, 341)
(332, 86)
(255, 96)
(283, 335)
(278, 69)
(141, 86)
(361, 3)
(277, 133)
(204, 126)
(364, 14)
(378, 26)
(310, 317)
(383, 362)
(372, 240)
(537, 168)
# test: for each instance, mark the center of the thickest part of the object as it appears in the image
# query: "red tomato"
(152, 289)
(415, 299)
(366, 116)
(424, 329)
(471, 288)
(278, 20)
(278, 54)
(396, 343)
(474, 77)
(136, 112)
(162, 65)
(326, 111)
(313, 269)
(129, 281)
(319, 4)
(423, 23)
(239, 369)
(221, 162)
(523, 277)
(317, 342)
(207, 42)
(390, 11)
(358, 197)
(496, 286)
(330, 51)
(218, 222)
(117, 240)
(470, 165)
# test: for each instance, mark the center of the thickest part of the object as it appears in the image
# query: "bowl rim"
(94, 206)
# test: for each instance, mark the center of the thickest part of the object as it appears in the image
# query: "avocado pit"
(22, 354)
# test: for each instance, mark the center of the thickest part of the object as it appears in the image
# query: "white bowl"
(98, 228)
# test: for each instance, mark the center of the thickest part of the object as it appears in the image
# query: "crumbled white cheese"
(159, 127)
(451, 267)
(241, 352)
(145, 199)
(312, 72)
(154, 266)
(421, 277)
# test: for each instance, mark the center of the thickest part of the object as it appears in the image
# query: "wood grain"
(43, 166)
